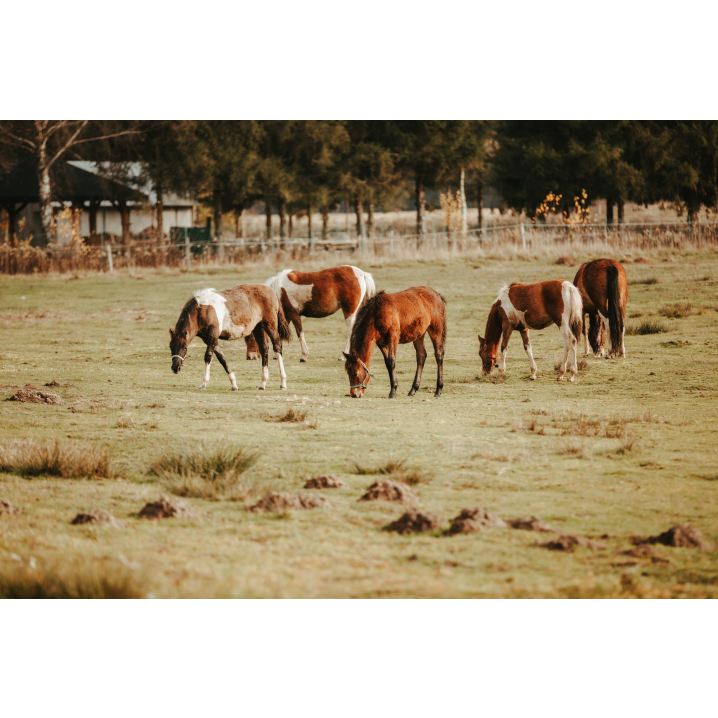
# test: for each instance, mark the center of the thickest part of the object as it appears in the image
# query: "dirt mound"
(678, 536)
(31, 395)
(645, 552)
(54, 383)
(476, 519)
(387, 490)
(96, 516)
(325, 482)
(165, 508)
(279, 501)
(414, 522)
(566, 261)
(7, 508)
(642, 260)
(529, 523)
(569, 543)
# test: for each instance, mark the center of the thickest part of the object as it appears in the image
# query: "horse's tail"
(572, 298)
(282, 325)
(613, 297)
(443, 329)
(370, 288)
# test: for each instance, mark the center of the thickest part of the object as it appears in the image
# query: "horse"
(252, 348)
(231, 314)
(604, 291)
(388, 320)
(532, 306)
(320, 294)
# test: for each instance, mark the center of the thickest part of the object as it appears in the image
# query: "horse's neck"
(493, 327)
(365, 346)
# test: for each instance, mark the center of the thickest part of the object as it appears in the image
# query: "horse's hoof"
(201, 388)
(235, 388)
(533, 378)
(282, 388)
(570, 379)
(412, 392)
(302, 361)
(260, 388)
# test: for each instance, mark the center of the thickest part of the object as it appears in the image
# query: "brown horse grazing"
(388, 320)
(321, 294)
(231, 314)
(532, 306)
(604, 291)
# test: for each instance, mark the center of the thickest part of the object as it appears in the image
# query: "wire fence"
(521, 239)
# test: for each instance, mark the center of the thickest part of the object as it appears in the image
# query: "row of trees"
(298, 166)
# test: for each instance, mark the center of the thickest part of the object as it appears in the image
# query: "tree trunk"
(43, 171)
(464, 208)
(94, 206)
(420, 207)
(325, 221)
(479, 201)
(160, 216)
(290, 225)
(609, 210)
(217, 214)
(309, 221)
(620, 211)
(268, 211)
(11, 214)
(125, 219)
(282, 217)
(239, 223)
(370, 220)
(360, 217)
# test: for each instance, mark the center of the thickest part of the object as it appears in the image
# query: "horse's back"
(539, 304)
(248, 304)
(412, 311)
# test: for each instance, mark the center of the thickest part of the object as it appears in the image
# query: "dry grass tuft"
(125, 422)
(574, 448)
(292, 416)
(398, 470)
(493, 378)
(679, 310)
(68, 460)
(211, 474)
(647, 280)
(464, 379)
(581, 364)
(74, 580)
(645, 327)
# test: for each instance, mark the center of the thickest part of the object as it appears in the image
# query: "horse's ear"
(172, 333)
(481, 340)
(346, 356)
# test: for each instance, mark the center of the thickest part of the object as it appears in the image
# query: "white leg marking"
(586, 347)
(205, 380)
(305, 348)
(532, 363)
(282, 375)
(350, 325)
(265, 377)
(233, 381)
(502, 360)
(604, 321)
(623, 346)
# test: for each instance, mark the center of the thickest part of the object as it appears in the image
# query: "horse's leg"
(349, 319)
(506, 335)
(389, 353)
(420, 359)
(586, 347)
(437, 341)
(300, 333)
(230, 373)
(527, 346)
(273, 333)
(263, 352)
(606, 331)
(570, 344)
(211, 345)
(623, 334)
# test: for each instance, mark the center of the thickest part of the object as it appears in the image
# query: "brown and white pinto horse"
(231, 314)
(532, 306)
(320, 294)
(604, 291)
(388, 320)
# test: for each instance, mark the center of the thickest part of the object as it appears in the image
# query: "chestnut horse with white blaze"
(247, 309)
(604, 291)
(532, 306)
(388, 320)
(321, 294)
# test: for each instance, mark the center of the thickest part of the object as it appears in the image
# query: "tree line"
(298, 167)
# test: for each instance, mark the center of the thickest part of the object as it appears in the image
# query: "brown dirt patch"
(566, 261)
(642, 260)
(678, 536)
(7, 508)
(166, 507)
(387, 490)
(569, 543)
(97, 516)
(472, 520)
(32, 395)
(325, 482)
(279, 501)
(530, 523)
(55, 383)
(414, 522)
(645, 552)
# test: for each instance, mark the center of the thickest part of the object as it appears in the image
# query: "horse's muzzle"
(176, 366)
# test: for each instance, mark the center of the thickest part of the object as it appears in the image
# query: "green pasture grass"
(627, 449)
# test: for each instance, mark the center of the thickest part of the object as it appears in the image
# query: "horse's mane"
(360, 324)
(275, 282)
(189, 307)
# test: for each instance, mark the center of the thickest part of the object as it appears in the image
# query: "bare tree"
(49, 140)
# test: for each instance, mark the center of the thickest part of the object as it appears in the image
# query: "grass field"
(630, 448)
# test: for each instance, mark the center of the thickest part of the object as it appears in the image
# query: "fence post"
(186, 248)
(605, 228)
(689, 226)
(109, 258)
(523, 235)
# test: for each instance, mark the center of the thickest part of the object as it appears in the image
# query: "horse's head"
(358, 375)
(488, 356)
(178, 346)
(596, 334)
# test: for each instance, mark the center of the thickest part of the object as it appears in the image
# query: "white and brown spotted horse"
(231, 314)
(321, 294)
(532, 306)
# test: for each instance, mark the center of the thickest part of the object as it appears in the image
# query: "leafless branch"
(108, 137)
(18, 140)
(69, 143)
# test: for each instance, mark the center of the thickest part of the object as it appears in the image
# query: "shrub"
(646, 327)
(679, 310)
(70, 459)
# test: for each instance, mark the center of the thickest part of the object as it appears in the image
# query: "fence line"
(518, 238)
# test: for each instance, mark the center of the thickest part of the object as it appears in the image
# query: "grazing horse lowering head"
(488, 356)
(183, 333)
(358, 375)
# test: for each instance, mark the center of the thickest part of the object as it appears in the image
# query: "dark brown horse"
(532, 306)
(604, 291)
(388, 320)
(231, 314)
